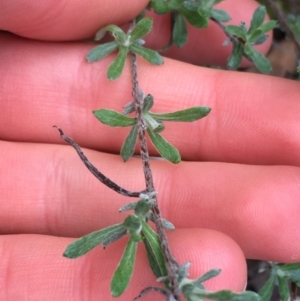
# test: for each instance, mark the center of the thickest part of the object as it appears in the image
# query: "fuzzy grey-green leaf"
(86, 243)
(291, 270)
(128, 146)
(220, 15)
(226, 295)
(142, 28)
(123, 273)
(257, 18)
(179, 33)
(113, 118)
(187, 115)
(236, 31)
(101, 51)
(149, 55)
(166, 150)
(235, 58)
(259, 60)
(116, 67)
(208, 275)
(283, 287)
(154, 251)
(266, 291)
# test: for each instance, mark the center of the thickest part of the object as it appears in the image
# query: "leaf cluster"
(197, 13)
(154, 124)
(244, 39)
(132, 41)
(281, 275)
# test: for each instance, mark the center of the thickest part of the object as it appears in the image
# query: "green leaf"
(257, 19)
(236, 31)
(260, 40)
(235, 59)
(284, 289)
(116, 31)
(220, 15)
(194, 18)
(208, 275)
(266, 291)
(129, 206)
(187, 115)
(152, 123)
(148, 103)
(154, 251)
(124, 270)
(227, 295)
(151, 56)
(179, 33)
(101, 51)
(166, 224)
(115, 69)
(142, 28)
(166, 150)
(142, 208)
(292, 270)
(128, 146)
(160, 7)
(260, 61)
(86, 243)
(113, 118)
(266, 27)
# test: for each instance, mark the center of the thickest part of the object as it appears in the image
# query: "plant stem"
(282, 20)
(171, 263)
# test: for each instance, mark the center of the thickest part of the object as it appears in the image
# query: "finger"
(47, 190)
(247, 123)
(32, 266)
(50, 21)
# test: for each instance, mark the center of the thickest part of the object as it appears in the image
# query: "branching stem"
(171, 263)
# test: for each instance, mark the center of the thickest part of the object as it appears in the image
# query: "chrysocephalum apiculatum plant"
(173, 277)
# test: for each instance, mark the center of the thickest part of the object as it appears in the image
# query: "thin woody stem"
(171, 263)
(99, 175)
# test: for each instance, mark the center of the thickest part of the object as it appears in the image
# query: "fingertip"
(209, 249)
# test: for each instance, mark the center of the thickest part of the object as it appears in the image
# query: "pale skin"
(238, 199)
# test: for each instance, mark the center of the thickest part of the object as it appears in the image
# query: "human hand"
(237, 199)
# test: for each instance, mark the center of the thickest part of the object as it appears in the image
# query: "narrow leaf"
(86, 243)
(160, 7)
(260, 61)
(152, 123)
(292, 270)
(227, 295)
(129, 206)
(284, 289)
(149, 55)
(208, 275)
(265, 292)
(257, 18)
(115, 69)
(142, 28)
(235, 58)
(194, 18)
(154, 251)
(101, 51)
(260, 40)
(124, 270)
(113, 118)
(187, 115)
(166, 150)
(266, 27)
(179, 33)
(128, 146)
(220, 15)
(148, 103)
(114, 29)
(166, 224)
(236, 31)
